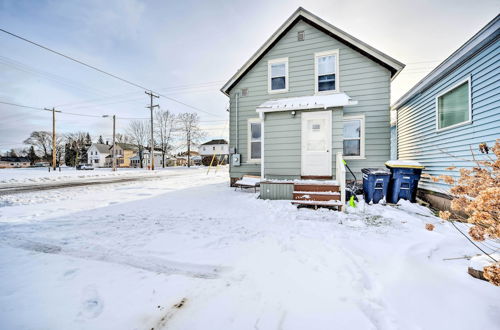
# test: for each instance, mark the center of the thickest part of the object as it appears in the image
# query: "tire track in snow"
(148, 263)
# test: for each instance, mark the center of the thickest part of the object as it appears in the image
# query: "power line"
(87, 115)
(104, 72)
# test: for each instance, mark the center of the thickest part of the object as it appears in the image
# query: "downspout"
(237, 106)
(262, 118)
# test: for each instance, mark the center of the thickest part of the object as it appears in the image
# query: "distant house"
(97, 154)
(214, 147)
(124, 152)
(218, 148)
(182, 158)
(14, 162)
(451, 110)
(311, 96)
(146, 161)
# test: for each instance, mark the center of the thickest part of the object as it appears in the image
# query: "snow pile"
(189, 252)
(481, 261)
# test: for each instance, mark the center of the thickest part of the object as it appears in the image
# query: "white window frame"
(269, 84)
(249, 138)
(337, 70)
(361, 136)
(436, 101)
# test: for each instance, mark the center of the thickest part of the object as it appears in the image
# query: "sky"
(187, 50)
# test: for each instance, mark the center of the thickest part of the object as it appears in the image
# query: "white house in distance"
(217, 147)
(146, 162)
(97, 154)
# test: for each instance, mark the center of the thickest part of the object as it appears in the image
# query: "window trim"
(361, 136)
(277, 61)
(337, 75)
(449, 89)
(251, 121)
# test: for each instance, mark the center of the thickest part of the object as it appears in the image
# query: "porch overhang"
(306, 102)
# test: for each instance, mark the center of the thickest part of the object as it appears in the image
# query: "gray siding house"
(453, 109)
(310, 92)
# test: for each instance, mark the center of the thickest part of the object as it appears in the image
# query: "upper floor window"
(354, 137)
(326, 67)
(278, 75)
(453, 106)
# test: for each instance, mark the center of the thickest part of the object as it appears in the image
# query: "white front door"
(316, 143)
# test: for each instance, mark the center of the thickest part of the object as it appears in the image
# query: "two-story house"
(310, 92)
(124, 152)
(214, 147)
(97, 154)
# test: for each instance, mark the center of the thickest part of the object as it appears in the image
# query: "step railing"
(340, 176)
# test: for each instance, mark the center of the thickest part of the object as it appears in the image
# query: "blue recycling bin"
(404, 180)
(375, 184)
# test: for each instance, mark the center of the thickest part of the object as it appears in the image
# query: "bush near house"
(477, 196)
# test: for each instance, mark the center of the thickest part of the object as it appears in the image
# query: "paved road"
(23, 188)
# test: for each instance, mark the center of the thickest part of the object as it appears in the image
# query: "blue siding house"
(446, 115)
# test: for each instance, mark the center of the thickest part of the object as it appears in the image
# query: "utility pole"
(114, 148)
(113, 145)
(53, 136)
(151, 107)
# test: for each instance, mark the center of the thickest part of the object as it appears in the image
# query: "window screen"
(352, 137)
(326, 73)
(278, 76)
(453, 107)
(255, 140)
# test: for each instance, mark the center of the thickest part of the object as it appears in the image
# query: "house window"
(278, 75)
(453, 106)
(254, 139)
(354, 137)
(326, 67)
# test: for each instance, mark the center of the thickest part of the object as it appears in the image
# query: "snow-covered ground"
(70, 174)
(188, 252)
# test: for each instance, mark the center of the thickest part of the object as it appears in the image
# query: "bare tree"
(139, 133)
(77, 141)
(189, 131)
(164, 131)
(123, 138)
(41, 141)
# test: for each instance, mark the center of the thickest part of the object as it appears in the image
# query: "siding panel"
(417, 136)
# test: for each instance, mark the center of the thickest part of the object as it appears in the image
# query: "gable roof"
(386, 61)
(15, 159)
(101, 147)
(488, 34)
(219, 141)
(125, 146)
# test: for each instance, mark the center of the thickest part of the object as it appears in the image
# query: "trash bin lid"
(404, 164)
(376, 171)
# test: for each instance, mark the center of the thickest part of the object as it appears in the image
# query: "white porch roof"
(306, 102)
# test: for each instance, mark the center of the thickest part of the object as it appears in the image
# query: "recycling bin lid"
(376, 171)
(403, 164)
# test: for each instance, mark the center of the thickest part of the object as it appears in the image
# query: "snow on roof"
(102, 148)
(404, 163)
(306, 102)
